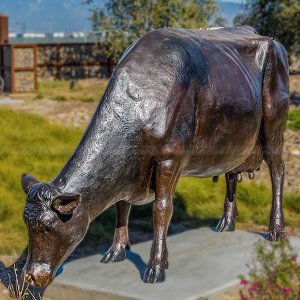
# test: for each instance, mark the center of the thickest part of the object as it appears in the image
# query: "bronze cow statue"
(180, 103)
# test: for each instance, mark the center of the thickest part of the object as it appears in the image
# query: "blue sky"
(65, 15)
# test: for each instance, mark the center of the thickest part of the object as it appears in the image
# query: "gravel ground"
(70, 114)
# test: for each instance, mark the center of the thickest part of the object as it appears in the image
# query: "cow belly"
(220, 147)
(212, 164)
(144, 197)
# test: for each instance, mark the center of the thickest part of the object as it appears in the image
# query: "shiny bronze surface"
(180, 103)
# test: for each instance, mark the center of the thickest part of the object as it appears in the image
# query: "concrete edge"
(66, 292)
(218, 291)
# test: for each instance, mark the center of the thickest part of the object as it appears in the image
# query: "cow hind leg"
(227, 221)
(117, 251)
(275, 110)
(273, 158)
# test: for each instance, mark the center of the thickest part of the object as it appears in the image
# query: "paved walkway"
(9, 101)
(202, 263)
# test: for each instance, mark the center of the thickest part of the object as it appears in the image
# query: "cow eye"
(49, 226)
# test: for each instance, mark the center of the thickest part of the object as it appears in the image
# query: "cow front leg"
(117, 251)
(167, 173)
(227, 221)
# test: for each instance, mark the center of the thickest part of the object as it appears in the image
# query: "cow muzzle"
(37, 279)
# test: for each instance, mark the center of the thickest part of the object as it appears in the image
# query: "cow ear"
(28, 182)
(65, 204)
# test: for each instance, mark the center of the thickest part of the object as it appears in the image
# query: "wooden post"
(13, 82)
(3, 41)
(110, 66)
(1, 61)
(58, 62)
(3, 29)
(35, 53)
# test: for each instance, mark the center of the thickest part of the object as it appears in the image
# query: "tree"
(276, 18)
(124, 21)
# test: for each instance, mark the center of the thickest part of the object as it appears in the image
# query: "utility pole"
(50, 19)
(22, 26)
(3, 29)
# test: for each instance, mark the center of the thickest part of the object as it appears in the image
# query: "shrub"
(274, 274)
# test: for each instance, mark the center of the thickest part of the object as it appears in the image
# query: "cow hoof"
(276, 233)
(226, 224)
(154, 274)
(114, 255)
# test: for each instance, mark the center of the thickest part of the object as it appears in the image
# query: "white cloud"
(34, 6)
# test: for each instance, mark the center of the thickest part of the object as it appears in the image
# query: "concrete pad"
(8, 101)
(202, 263)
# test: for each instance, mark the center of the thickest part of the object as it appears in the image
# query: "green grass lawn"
(84, 90)
(89, 90)
(28, 143)
(294, 119)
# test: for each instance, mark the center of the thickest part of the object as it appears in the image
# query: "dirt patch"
(71, 114)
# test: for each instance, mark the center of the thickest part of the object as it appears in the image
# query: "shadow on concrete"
(262, 234)
(137, 260)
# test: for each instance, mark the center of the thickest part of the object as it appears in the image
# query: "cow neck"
(99, 169)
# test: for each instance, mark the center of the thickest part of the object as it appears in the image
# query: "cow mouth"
(37, 281)
(30, 280)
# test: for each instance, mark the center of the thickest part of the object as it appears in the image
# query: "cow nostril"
(38, 280)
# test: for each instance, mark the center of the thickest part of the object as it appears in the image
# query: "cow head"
(56, 222)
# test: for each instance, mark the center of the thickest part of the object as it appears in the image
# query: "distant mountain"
(70, 15)
(46, 15)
